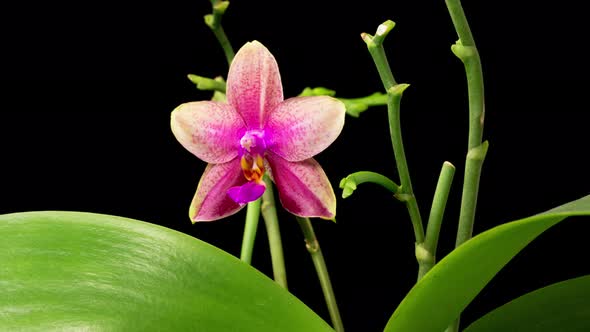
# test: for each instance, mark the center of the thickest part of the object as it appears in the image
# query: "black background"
(88, 87)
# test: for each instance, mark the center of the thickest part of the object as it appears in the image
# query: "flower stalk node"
(312, 246)
(423, 255)
(479, 152)
(397, 90)
(213, 21)
(403, 197)
(464, 53)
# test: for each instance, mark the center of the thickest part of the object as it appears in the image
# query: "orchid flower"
(255, 133)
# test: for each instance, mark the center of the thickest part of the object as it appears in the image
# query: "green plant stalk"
(225, 44)
(375, 99)
(213, 21)
(476, 150)
(205, 83)
(437, 211)
(271, 221)
(465, 49)
(252, 218)
(407, 193)
(313, 247)
(354, 106)
(394, 93)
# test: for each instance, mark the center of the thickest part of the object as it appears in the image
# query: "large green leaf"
(80, 271)
(434, 302)
(563, 307)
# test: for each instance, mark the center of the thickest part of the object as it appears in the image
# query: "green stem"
(460, 22)
(271, 221)
(427, 251)
(375, 46)
(205, 83)
(465, 49)
(313, 247)
(350, 183)
(225, 44)
(394, 93)
(213, 21)
(476, 150)
(354, 106)
(252, 217)
(375, 99)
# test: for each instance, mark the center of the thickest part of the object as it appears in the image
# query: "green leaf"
(81, 271)
(563, 307)
(438, 298)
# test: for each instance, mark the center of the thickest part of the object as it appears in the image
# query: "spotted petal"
(210, 130)
(211, 201)
(302, 127)
(304, 188)
(254, 84)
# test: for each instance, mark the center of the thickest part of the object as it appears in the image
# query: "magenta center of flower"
(252, 148)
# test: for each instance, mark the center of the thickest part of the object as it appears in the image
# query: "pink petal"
(246, 193)
(304, 188)
(210, 130)
(254, 86)
(302, 127)
(211, 201)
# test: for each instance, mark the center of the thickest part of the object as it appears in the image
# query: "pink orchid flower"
(255, 132)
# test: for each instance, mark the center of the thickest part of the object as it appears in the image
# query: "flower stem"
(313, 247)
(205, 83)
(252, 217)
(349, 183)
(354, 106)
(437, 211)
(213, 21)
(394, 93)
(466, 51)
(271, 221)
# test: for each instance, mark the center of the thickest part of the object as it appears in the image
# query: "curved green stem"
(349, 183)
(252, 217)
(313, 247)
(213, 21)
(427, 251)
(271, 221)
(394, 93)
(466, 51)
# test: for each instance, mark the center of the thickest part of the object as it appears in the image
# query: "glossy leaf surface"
(65, 271)
(564, 307)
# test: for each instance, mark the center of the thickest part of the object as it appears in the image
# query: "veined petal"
(304, 188)
(254, 84)
(211, 201)
(210, 130)
(302, 127)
